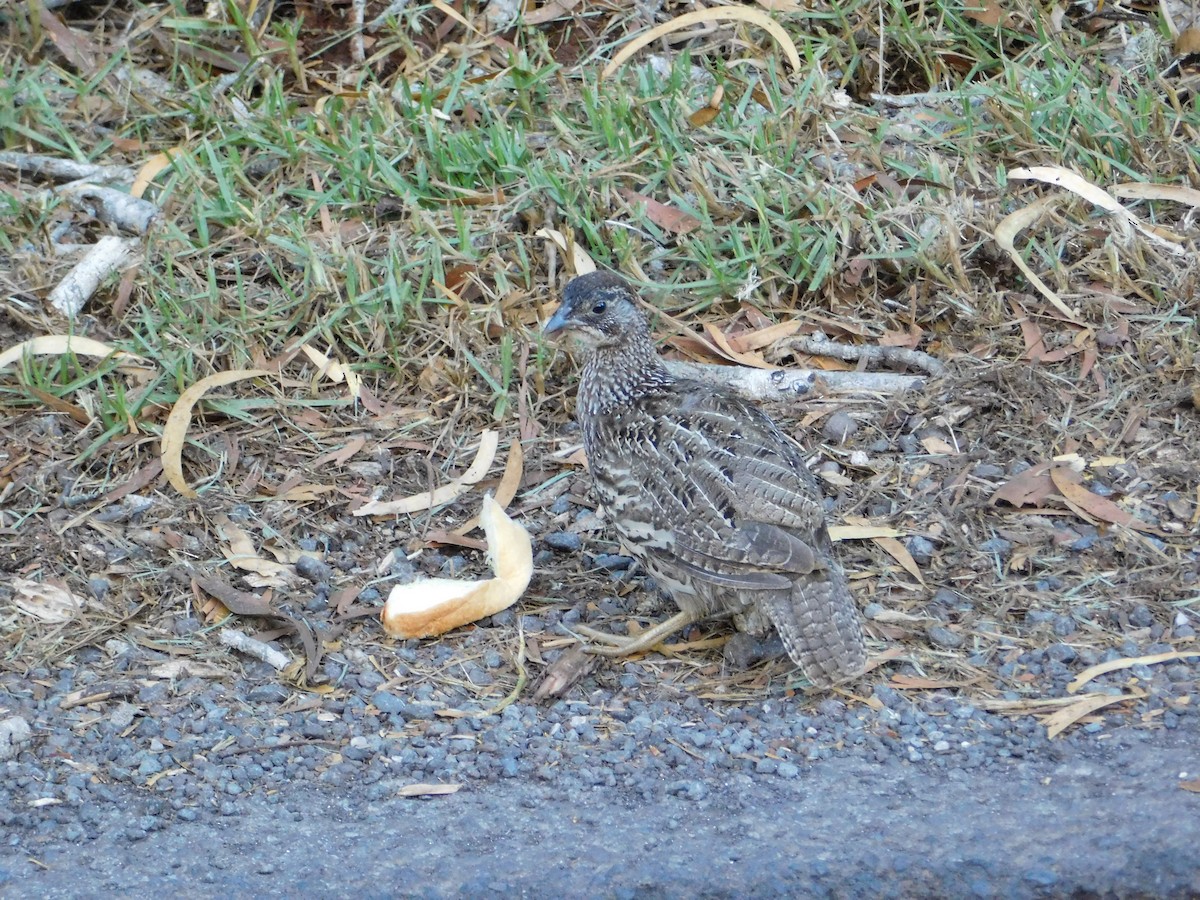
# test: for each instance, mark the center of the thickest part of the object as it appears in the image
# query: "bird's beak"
(558, 322)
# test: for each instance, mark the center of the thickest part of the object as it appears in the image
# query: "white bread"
(436, 605)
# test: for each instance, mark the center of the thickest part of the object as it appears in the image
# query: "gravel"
(164, 754)
(176, 753)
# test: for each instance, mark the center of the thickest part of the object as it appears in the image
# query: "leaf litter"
(1106, 368)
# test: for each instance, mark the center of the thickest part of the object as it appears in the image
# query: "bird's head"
(599, 309)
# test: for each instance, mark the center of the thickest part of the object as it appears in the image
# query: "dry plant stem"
(358, 51)
(624, 646)
(105, 257)
(51, 168)
(781, 385)
(238, 640)
(132, 215)
(869, 352)
(393, 9)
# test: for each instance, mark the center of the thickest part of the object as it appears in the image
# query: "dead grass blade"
(488, 442)
(61, 344)
(175, 429)
(1112, 666)
(1058, 722)
(706, 17)
(1077, 184)
(1005, 235)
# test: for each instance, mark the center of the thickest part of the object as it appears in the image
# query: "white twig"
(822, 346)
(238, 640)
(53, 168)
(393, 9)
(132, 215)
(792, 384)
(105, 257)
(358, 50)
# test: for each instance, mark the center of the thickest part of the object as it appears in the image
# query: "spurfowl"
(706, 492)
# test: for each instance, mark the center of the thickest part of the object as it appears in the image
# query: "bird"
(706, 492)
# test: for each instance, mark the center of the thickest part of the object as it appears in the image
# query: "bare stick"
(105, 257)
(393, 9)
(52, 168)
(239, 640)
(822, 346)
(358, 50)
(132, 215)
(791, 384)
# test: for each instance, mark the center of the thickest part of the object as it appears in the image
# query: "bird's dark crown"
(599, 308)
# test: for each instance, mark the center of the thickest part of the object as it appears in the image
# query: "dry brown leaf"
(581, 263)
(1062, 719)
(335, 371)
(717, 338)
(555, 9)
(1077, 184)
(1193, 785)
(704, 17)
(426, 608)
(305, 493)
(935, 446)
(1084, 502)
(1113, 665)
(342, 454)
(665, 217)
(1006, 232)
(150, 170)
(514, 469)
(428, 790)
(1029, 488)
(488, 442)
(764, 337)
(175, 429)
(74, 45)
(989, 13)
(900, 553)
(242, 554)
(46, 600)
(1138, 190)
(61, 344)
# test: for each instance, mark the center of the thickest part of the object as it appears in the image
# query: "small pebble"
(313, 569)
(839, 426)
(563, 541)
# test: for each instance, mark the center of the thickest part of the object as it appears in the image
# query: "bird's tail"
(820, 627)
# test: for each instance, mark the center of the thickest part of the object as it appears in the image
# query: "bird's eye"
(599, 307)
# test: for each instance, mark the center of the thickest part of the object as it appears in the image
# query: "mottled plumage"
(706, 491)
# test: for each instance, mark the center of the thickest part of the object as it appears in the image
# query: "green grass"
(310, 215)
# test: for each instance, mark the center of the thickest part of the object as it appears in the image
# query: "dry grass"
(388, 209)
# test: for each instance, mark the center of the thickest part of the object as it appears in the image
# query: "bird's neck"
(615, 374)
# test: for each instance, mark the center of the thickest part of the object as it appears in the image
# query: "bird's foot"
(626, 646)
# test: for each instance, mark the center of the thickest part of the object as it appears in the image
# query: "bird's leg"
(624, 646)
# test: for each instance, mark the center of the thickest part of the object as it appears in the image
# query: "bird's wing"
(727, 491)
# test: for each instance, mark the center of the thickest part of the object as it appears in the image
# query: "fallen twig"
(52, 168)
(132, 215)
(790, 384)
(238, 640)
(822, 346)
(81, 282)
